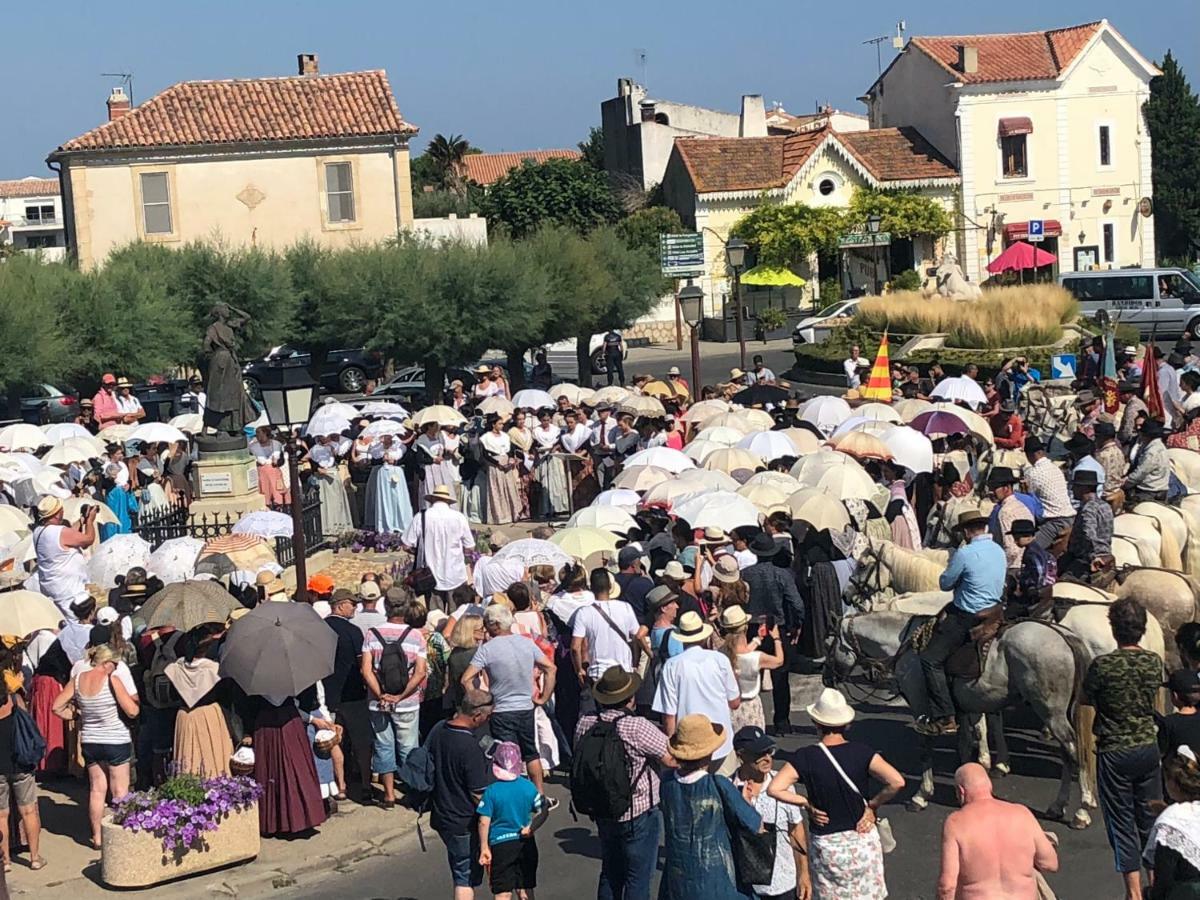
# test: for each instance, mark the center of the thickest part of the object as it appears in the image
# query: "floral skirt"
(749, 712)
(847, 865)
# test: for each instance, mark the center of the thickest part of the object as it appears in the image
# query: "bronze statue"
(227, 409)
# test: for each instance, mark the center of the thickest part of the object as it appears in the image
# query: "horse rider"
(1047, 482)
(1038, 572)
(1089, 549)
(1002, 482)
(976, 575)
(1149, 475)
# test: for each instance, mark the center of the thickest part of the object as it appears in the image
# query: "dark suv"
(338, 371)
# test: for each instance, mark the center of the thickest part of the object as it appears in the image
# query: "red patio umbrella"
(1020, 256)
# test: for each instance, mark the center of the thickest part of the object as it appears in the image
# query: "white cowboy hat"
(831, 709)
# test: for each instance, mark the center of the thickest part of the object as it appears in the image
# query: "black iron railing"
(314, 540)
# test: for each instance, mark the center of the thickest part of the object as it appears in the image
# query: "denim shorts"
(462, 853)
(107, 754)
(396, 735)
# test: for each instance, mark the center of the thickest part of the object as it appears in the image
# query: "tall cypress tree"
(1173, 118)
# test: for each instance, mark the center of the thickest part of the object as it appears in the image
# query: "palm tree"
(447, 155)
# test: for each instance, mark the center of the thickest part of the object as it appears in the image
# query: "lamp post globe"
(735, 253)
(873, 222)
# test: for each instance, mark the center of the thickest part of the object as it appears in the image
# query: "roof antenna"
(126, 81)
(639, 62)
(877, 41)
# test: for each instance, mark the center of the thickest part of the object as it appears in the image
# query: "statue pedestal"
(225, 478)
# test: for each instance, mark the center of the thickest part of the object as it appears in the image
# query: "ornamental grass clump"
(1010, 317)
(185, 807)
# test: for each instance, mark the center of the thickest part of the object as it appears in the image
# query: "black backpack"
(392, 668)
(160, 693)
(600, 782)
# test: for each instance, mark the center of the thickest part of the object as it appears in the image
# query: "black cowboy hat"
(1001, 476)
(1023, 528)
(1104, 431)
(1033, 444)
(1086, 398)
(1151, 428)
(1085, 478)
(1128, 387)
(763, 545)
(1080, 443)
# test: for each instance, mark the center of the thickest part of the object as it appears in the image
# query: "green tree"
(563, 192)
(33, 344)
(903, 214)
(642, 228)
(446, 154)
(1173, 119)
(785, 235)
(593, 148)
(438, 204)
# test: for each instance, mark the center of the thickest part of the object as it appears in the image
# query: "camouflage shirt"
(1121, 686)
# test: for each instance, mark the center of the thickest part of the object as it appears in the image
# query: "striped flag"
(879, 385)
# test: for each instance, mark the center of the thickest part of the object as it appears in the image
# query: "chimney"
(753, 122)
(624, 87)
(968, 59)
(307, 64)
(647, 108)
(118, 104)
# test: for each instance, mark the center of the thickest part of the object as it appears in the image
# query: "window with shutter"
(339, 192)
(156, 203)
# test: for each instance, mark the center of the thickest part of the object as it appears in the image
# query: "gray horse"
(1036, 662)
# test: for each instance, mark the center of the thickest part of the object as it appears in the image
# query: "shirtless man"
(991, 848)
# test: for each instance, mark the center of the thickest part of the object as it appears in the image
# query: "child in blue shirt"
(510, 811)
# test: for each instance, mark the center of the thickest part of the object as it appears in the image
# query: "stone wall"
(661, 331)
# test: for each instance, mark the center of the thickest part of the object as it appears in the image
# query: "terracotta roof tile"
(1027, 56)
(29, 187)
(488, 168)
(733, 164)
(897, 154)
(303, 107)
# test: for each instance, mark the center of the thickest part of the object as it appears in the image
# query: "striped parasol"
(879, 384)
(234, 553)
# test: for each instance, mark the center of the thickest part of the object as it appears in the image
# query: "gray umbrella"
(188, 604)
(278, 650)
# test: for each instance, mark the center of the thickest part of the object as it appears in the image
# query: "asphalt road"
(569, 849)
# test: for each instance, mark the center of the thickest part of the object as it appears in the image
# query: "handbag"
(753, 853)
(421, 579)
(887, 839)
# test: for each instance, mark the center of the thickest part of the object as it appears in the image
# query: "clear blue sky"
(507, 75)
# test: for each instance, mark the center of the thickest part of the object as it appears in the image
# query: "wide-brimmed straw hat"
(616, 686)
(441, 492)
(714, 536)
(734, 617)
(692, 629)
(831, 709)
(971, 517)
(48, 507)
(726, 569)
(696, 737)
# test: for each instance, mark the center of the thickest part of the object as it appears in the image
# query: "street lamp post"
(735, 256)
(691, 299)
(288, 394)
(873, 222)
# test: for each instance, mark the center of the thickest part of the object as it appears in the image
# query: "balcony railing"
(23, 222)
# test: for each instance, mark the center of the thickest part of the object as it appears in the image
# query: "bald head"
(973, 782)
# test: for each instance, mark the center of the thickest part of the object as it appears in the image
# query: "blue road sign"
(1062, 365)
(1037, 230)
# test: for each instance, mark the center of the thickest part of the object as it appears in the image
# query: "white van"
(1163, 302)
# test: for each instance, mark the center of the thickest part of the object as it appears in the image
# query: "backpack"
(28, 744)
(160, 693)
(600, 782)
(416, 772)
(392, 668)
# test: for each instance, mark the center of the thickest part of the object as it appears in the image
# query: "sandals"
(37, 864)
(341, 797)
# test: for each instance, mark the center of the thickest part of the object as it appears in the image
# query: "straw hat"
(831, 709)
(48, 507)
(726, 570)
(692, 629)
(735, 373)
(734, 617)
(696, 737)
(971, 517)
(714, 536)
(441, 492)
(673, 570)
(616, 686)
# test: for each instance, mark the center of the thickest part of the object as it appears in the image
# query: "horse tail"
(1082, 716)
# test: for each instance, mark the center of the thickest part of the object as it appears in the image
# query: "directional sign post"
(864, 239)
(681, 255)
(1037, 231)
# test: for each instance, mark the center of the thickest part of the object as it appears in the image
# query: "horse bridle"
(877, 670)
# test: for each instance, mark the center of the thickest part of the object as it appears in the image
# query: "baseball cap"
(628, 555)
(368, 590)
(751, 738)
(108, 378)
(107, 616)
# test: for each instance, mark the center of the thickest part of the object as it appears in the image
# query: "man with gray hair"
(509, 661)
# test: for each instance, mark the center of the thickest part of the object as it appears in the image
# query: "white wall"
(472, 230)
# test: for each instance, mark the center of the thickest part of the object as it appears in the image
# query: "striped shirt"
(645, 744)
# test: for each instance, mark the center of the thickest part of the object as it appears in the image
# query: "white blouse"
(391, 455)
(546, 438)
(270, 453)
(573, 440)
(497, 444)
(322, 456)
(434, 446)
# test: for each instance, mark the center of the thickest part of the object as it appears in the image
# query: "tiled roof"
(29, 187)
(488, 168)
(718, 165)
(1027, 56)
(258, 110)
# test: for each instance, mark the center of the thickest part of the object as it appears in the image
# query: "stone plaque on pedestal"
(225, 478)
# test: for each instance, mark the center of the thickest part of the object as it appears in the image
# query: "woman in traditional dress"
(272, 479)
(388, 507)
(549, 469)
(335, 506)
(203, 743)
(437, 465)
(906, 531)
(575, 438)
(521, 436)
(51, 673)
(503, 482)
(283, 766)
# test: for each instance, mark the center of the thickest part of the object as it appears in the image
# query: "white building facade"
(31, 218)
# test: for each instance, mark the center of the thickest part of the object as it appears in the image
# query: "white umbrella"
(115, 434)
(721, 434)
(612, 393)
(732, 419)
(23, 436)
(709, 478)
(532, 398)
(818, 509)
(961, 389)
(383, 426)
(811, 467)
(780, 480)
(700, 448)
(573, 392)
(582, 541)
(734, 461)
(116, 556)
(73, 511)
(764, 496)
(608, 518)
(265, 523)
(846, 483)
(910, 409)
(643, 406)
(13, 518)
(768, 444)
(495, 404)
(703, 412)
(50, 482)
(175, 560)
(535, 552)
(338, 408)
(641, 478)
(384, 409)
(805, 440)
(440, 413)
(26, 462)
(619, 498)
(827, 413)
(880, 411)
(910, 448)
(661, 457)
(327, 420)
(56, 434)
(70, 451)
(749, 420)
(156, 433)
(860, 423)
(671, 492)
(719, 509)
(192, 423)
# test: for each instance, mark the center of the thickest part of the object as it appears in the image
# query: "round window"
(826, 187)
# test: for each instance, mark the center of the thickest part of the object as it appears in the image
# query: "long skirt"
(335, 506)
(503, 495)
(283, 766)
(273, 486)
(847, 865)
(474, 497)
(202, 743)
(388, 508)
(551, 474)
(53, 729)
(749, 712)
(444, 472)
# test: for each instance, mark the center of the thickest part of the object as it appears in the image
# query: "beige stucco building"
(1044, 125)
(266, 162)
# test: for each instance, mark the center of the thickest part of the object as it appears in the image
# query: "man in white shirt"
(194, 399)
(603, 447)
(439, 535)
(602, 631)
(699, 680)
(853, 368)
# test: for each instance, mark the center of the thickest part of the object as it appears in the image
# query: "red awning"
(1019, 231)
(1016, 125)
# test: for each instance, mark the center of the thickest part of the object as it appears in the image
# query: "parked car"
(1165, 302)
(43, 404)
(561, 357)
(806, 330)
(340, 371)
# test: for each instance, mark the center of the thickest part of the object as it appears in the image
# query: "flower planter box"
(134, 859)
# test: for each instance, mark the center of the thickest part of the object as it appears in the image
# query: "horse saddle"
(969, 659)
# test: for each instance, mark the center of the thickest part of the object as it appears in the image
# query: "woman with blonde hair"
(748, 663)
(466, 637)
(104, 738)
